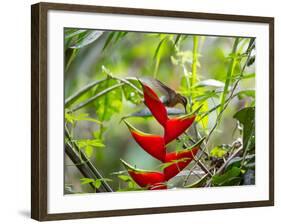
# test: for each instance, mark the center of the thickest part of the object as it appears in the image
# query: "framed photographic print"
(134, 104)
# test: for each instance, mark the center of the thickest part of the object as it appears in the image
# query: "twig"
(200, 164)
(195, 184)
(75, 96)
(90, 100)
(125, 81)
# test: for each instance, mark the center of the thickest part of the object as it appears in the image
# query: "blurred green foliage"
(101, 68)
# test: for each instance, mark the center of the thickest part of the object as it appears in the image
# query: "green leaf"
(218, 152)
(178, 37)
(125, 178)
(89, 144)
(167, 164)
(89, 38)
(203, 121)
(113, 37)
(229, 178)
(89, 151)
(108, 40)
(68, 118)
(157, 53)
(73, 36)
(210, 83)
(119, 36)
(96, 182)
(96, 143)
(110, 103)
(246, 117)
(86, 181)
(249, 76)
(71, 117)
(131, 94)
(246, 93)
(73, 33)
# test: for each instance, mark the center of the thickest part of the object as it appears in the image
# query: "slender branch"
(199, 182)
(193, 142)
(203, 167)
(200, 164)
(125, 81)
(229, 73)
(70, 100)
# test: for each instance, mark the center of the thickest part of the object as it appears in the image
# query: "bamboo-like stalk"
(84, 165)
(194, 60)
(229, 73)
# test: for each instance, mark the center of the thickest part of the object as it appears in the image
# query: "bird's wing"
(165, 90)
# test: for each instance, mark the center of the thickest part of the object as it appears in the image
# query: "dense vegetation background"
(216, 72)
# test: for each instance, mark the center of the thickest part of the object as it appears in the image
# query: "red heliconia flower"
(176, 126)
(146, 179)
(154, 104)
(153, 144)
(179, 160)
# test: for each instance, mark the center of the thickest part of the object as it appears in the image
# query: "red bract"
(179, 160)
(153, 144)
(146, 179)
(155, 105)
(176, 126)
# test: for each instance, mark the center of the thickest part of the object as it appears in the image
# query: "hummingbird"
(171, 98)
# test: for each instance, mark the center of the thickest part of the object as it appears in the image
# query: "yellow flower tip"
(131, 128)
(126, 165)
(131, 168)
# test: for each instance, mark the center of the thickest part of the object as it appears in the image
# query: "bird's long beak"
(185, 110)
